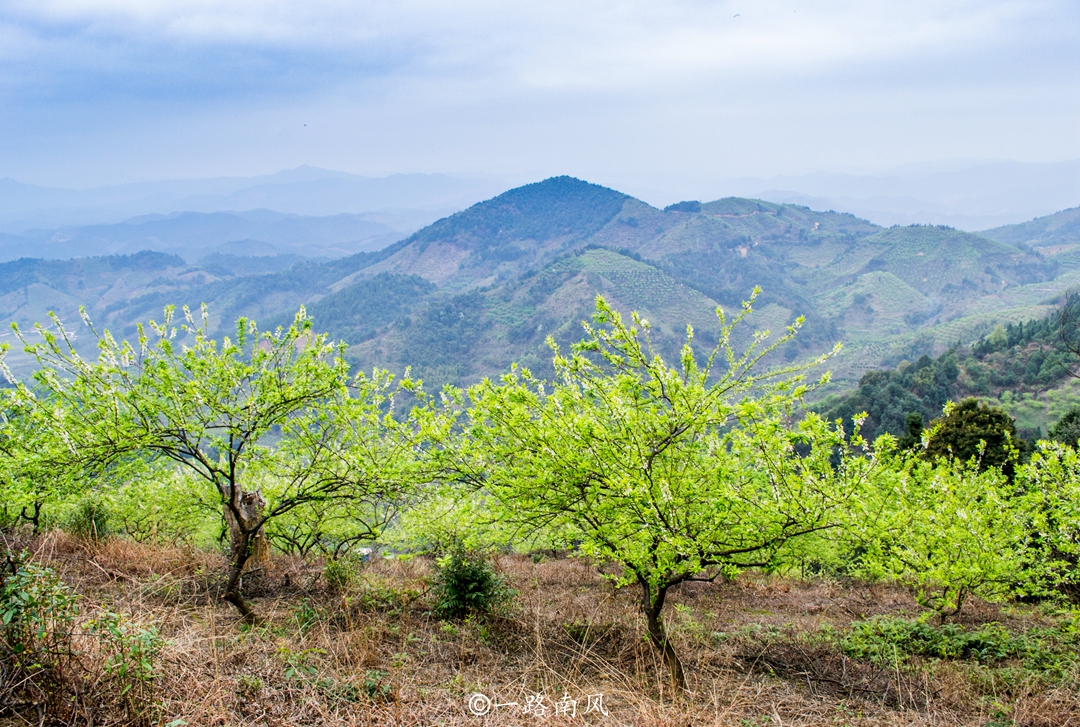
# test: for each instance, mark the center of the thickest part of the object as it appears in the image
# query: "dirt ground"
(570, 650)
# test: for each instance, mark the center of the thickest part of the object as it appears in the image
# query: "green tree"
(277, 409)
(673, 473)
(947, 529)
(1067, 429)
(973, 430)
(1051, 486)
(37, 470)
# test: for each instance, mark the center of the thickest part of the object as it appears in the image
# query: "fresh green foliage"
(669, 472)
(37, 619)
(1051, 483)
(307, 616)
(890, 641)
(946, 528)
(272, 409)
(340, 573)
(166, 504)
(36, 609)
(90, 517)
(376, 686)
(466, 583)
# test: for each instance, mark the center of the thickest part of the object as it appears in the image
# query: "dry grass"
(373, 654)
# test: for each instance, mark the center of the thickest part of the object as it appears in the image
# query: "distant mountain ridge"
(967, 194)
(467, 295)
(414, 199)
(193, 235)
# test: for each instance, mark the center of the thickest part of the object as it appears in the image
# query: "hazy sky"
(626, 92)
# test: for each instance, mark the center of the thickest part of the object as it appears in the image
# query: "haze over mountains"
(467, 295)
(966, 194)
(406, 201)
(193, 235)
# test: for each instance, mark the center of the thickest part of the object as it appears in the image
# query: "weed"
(889, 641)
(90, 519)
(298, 664)
(247, 684)
(376, 687)
(307, 616)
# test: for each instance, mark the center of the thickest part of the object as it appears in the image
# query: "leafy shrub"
(886, 640)
(307, 616)
(376, 687)
(90, 519)
(466, 582)
(889, 641)
(340, 573)
(132, 651)
(37, 614)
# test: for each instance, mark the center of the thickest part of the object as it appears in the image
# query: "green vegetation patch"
(887, 640)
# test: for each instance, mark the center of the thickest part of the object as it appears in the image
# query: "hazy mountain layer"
(193, 235)
(415, 199)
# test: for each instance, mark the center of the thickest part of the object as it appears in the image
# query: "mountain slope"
(467, 295)
(1060, 228)
(515, 231)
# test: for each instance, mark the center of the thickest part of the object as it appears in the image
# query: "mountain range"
(468, 294)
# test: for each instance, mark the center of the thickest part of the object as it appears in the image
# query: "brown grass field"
(757, 651)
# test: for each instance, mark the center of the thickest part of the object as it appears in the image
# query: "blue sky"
(625, 93)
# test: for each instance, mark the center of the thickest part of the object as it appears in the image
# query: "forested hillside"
(1013, 365)
(474, 291)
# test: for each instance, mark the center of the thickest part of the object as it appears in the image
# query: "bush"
(466, 582)
(89, 520)
(342, 572)
(887, 640)
(37, 614)
(131, 654)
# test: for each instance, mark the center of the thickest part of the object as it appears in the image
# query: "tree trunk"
(249, 506)
(248, 543)
(653, 606)
(33, 517)
(240, 555)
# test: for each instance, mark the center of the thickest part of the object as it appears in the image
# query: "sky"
(635, 94)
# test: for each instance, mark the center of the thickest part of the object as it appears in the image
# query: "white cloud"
(646, 87)
(566, 42)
